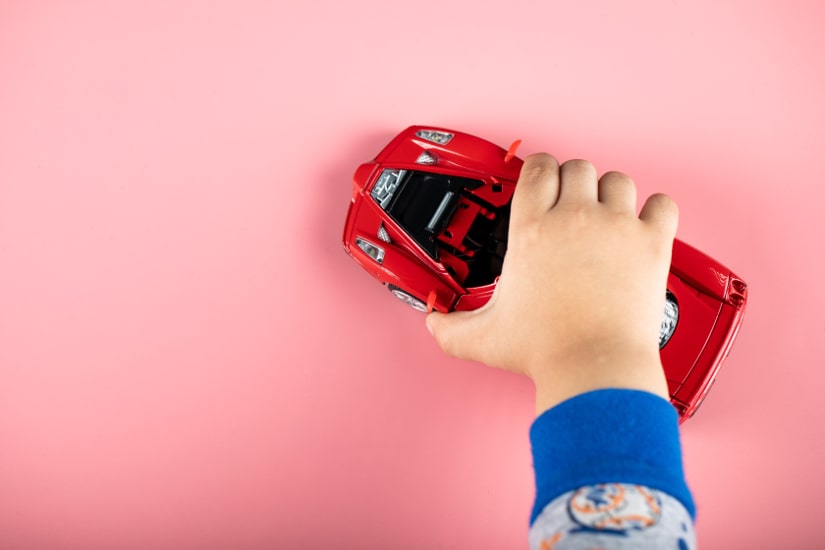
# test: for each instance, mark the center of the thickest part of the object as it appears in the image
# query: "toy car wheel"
(408, 298)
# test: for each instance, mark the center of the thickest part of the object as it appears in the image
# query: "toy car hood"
(463, 152)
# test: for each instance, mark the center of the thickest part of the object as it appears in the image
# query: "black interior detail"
(488, 238)
(423, 205)
(418, 198)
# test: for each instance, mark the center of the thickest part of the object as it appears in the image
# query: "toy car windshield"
(420, 202)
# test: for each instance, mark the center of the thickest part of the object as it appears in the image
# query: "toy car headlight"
(441, 138)
(670, 320)
(386, 185)
(371, 250)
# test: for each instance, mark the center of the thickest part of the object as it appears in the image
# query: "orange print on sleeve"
(548, 544)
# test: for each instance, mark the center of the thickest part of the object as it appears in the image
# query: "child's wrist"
(563, 378)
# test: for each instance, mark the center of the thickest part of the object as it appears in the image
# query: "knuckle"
(449, 346)
(664, 203)
(539, 164)
(444, 340)
(541, 159)
(578, 165)
(614, 177)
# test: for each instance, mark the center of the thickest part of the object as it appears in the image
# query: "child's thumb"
(456, 333)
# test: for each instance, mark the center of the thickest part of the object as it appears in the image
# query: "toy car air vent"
(426, 157)
(382, 233)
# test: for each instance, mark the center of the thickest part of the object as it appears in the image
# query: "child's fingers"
(459, 333)
(578, 183)
(661, 212)
(537, 189)
(618, 192)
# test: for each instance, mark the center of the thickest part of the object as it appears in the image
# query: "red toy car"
(429, 219)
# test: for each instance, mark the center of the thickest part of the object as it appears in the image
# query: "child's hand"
(581, 296)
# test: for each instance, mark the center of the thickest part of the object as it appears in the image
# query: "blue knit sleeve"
(608, 436)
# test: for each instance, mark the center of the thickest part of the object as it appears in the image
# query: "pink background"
(189, 360)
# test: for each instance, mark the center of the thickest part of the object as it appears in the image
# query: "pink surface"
(189, 360)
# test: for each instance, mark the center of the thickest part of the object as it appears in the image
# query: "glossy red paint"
(463, 194)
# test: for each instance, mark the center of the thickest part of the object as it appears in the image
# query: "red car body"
(429, 217)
